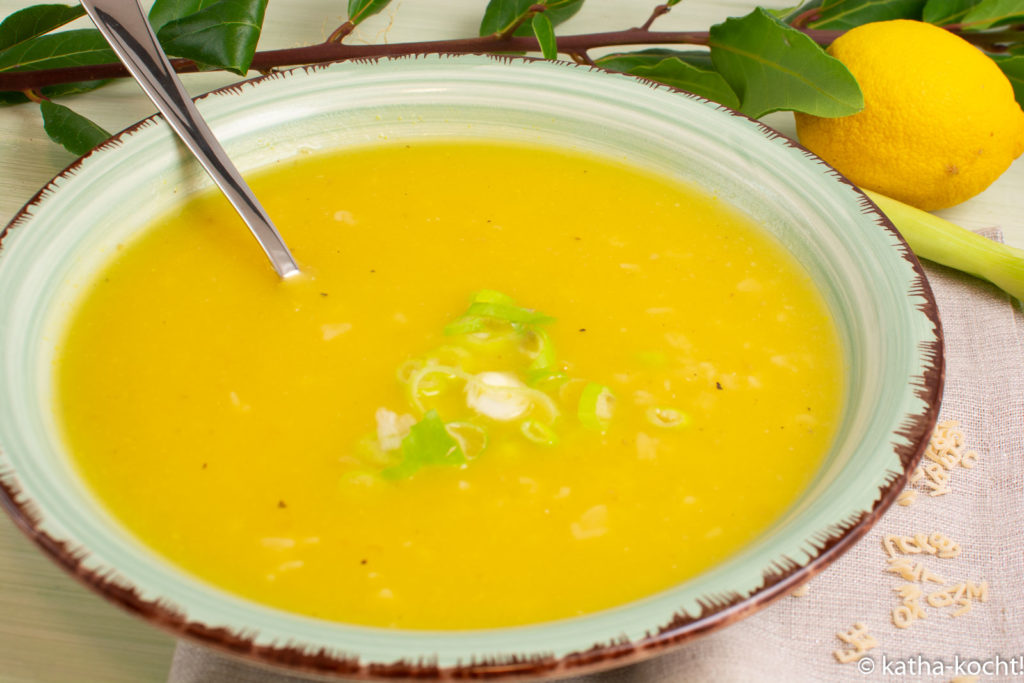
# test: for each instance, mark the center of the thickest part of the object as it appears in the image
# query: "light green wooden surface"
(51, 628)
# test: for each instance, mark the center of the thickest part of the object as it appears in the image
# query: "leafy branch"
(762, 62)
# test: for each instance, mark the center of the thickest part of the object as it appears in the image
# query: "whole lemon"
(939, 123)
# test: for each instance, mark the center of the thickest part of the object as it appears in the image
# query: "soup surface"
(514, 384)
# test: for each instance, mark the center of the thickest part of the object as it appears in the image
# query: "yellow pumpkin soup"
(513, 384)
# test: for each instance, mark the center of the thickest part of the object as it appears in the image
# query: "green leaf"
(359, 10)
(991, 13)
(501, 15)
(689, 71)
(76, 133)
(846, 14)
(774, 67)
(17, 97)
(165, 11)
(428, 443)
(35, 21)
(1013, 67)
(788, 14)
(942, 12)
(58, 50)
(222, 34)
(545, 34)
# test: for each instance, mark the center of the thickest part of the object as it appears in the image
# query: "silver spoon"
(126, 28)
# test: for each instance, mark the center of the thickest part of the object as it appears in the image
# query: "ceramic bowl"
(875, 288)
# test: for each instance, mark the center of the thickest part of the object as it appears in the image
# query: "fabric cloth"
(794, 638)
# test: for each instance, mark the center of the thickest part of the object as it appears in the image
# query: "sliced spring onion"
(667, 418)
(546, 378)
(497, 395)
(428, 443)
(472, 438)
(539, 432)
(542, 351)
(467, 324)
(408, 368)
(508, 312)
(492, 296)
(420, 387)
(490, 305)
(596, 406)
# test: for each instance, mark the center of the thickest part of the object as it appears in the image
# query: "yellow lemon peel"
(939, 124)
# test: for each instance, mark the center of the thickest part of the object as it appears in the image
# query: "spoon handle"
(126, 28)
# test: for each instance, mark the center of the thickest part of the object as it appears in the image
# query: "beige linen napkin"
(794, 639)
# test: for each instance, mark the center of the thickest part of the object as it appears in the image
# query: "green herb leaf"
(360, 10)
(428, 443)
(545, 34)
(788, 14)
(35, 21)
(58, 50)
(76, 133)
(1013, 67)
(991, 13)
(223, 34)
(689, 71)
(846, 14)
(501, 15)
(942, 12)
(774, 67)
(164, 12)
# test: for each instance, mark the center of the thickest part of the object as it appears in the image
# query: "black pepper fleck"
(281, 504)
(718, 385)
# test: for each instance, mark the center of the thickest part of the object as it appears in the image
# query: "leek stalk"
(938, 240)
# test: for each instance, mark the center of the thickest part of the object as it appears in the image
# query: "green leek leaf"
(76, 133)
(774, 67)
(35, 21)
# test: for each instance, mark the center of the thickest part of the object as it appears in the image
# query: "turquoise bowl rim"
(895, 382)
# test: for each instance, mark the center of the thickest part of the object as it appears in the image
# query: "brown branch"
(514, 26)
(801, 20)
(658, 11)
(333, 52)
(339, 33)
